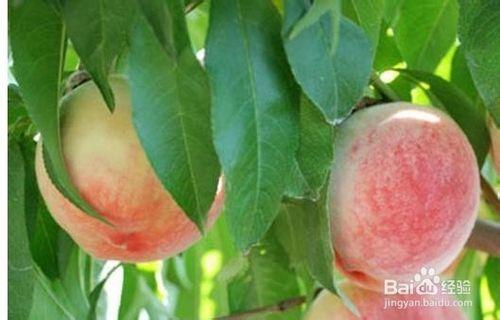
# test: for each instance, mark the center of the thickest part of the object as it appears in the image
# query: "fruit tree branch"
(383, 88)
(366, 102)
(485, 237)
(192, 5)
(281, 306)
(490, 196)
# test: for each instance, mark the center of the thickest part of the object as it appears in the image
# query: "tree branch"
(281, 306)
(366, 102)
(192, 5)
(76, 79)
(490, 196)
(485, 237)
(383, 88)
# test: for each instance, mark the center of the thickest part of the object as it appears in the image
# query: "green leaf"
(32, 195)
(315, 152)
(98, 30)
(182, 278)
(44, 242)
(188, 276)
(171, 113)
(367, 14)
(387, 54)
(297, 186)
(479, 27)
(425, 30)
(197, 23)
(327, 78)
(403, 87)
(459, 107)
(470, 269)
(267, 281)
(16, 110)
(306, 225)
(92, 276)
(136, 295)
(49, 300)
(37, 40)
(30, 292)
(71, 266)
(65, 297)
(71, 60)
(313, 15)
(162, 22)
(255, 112)
(96, 294)
(391, 10)
(492, 273)
(43, 231)
(460, 74)
(20, 265)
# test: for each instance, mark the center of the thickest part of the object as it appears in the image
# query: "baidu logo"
(426, 282)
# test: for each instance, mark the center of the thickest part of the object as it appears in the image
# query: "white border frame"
(3, 146)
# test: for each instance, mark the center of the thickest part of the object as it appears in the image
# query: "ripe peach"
(108, 166)
(374, 306)
(405, 192)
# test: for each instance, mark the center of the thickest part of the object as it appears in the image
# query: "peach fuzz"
(372, 305)
(109, 168)
(404, 193)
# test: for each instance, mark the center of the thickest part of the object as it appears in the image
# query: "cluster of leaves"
(278, 77)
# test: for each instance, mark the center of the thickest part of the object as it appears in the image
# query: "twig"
(279, 307)
(485, 237)
(366, 102)
(383, 88)
(192, 5)
(76, 79)
(490, 196)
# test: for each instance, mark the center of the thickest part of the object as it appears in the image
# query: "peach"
(377, 306)
(404, 193)
(109, 168)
